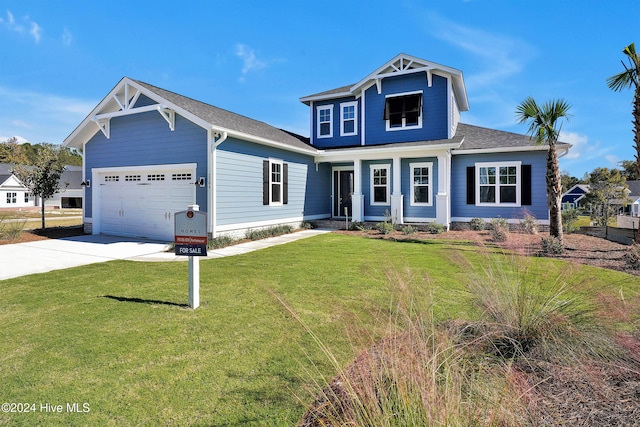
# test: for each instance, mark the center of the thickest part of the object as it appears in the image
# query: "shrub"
(552, 246)
(499, 229)
(264, 233)
(358, 226)
(385, 227)
(477, 224)
(220, 242)
(528, 223)
(435, 228)
(569, 219)
(408, 230)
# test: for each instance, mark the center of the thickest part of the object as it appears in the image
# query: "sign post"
(190, 231)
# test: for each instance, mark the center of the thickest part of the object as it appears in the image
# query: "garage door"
(142, 203)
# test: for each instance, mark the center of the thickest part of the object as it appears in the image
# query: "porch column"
(443, 198)
(396, 195)
(357, 199)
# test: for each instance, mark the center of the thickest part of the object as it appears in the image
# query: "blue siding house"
(389, 145)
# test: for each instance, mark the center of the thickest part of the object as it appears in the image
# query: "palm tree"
(630, 77)
(543, 125)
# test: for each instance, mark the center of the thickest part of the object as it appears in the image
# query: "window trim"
(279, 183)
(498, 165)
(344, 105)
(413, 185)
(319, 124)
(388, 126)
(372, 168)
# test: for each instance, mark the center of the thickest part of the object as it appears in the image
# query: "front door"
(343, 190)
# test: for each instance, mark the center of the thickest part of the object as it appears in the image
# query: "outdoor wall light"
(86, 183)
(201, 181)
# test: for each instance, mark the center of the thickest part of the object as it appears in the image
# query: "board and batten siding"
(460, 209)
(144, 140)
(239, 186)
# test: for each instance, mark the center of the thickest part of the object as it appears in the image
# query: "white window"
(498, 183)
(275, 183)
(325, 121)
(26, 197)
(403, 111)
(348, 119)
(12, 198)
(380, 184)
(421, 184)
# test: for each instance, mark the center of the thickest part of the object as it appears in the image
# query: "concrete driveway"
(46, 255)
(21, 259)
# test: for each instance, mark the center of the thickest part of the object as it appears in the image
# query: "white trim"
(404, 126)
(502, 150)
(497, 185)
(416, 219)
(378, 153)
(320, 108)
(344, 105)
(280, 183)
(429, 165)
(386, 167)
(243, 226)
(509, 220)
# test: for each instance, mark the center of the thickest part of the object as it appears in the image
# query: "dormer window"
(403, 111)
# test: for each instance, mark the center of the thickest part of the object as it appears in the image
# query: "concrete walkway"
(41, 256)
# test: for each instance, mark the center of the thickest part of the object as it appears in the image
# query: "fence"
(625, 236)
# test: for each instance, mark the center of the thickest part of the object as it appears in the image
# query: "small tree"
(607, 192)
(43, 177)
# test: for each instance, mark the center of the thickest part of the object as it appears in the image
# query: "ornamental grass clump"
(421, 372)
(527, 313)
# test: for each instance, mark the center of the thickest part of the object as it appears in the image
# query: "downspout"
(212, 199)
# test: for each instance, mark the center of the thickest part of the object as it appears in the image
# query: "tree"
(629, 170)
(43, 177)
(630, 78)
(543, 125)
(607, 194)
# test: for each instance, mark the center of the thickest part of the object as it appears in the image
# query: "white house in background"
(13, 194)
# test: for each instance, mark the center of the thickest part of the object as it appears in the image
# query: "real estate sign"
(190, 233)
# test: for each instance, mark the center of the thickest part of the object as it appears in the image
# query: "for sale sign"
(190, 233)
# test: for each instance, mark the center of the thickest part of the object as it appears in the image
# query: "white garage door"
(142, 203)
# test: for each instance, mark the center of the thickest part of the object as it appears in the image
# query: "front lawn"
(117, 340)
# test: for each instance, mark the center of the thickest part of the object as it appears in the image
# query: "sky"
(59, 59)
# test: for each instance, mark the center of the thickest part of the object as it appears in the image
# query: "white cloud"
(250, 61)
(67, 38)
(578, 142)
(11, 24)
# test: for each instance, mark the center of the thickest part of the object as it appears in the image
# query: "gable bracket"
(169, 115)
(104, 125)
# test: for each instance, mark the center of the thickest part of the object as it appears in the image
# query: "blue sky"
(257, 58)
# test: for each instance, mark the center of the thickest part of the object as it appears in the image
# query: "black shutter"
(471, 185)
(265, 182)
(525, 196)
(285, 183)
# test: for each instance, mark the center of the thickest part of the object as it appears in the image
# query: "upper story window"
(348, 119)
(403, 111)
(380, 184)
(325, 121)
(421, 184)
(498, 183)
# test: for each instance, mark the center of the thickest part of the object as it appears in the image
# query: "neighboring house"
(13, 194)
(634, 198)
(574, 198)
(388, 145)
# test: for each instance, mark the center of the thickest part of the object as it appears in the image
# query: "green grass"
(119, 337)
